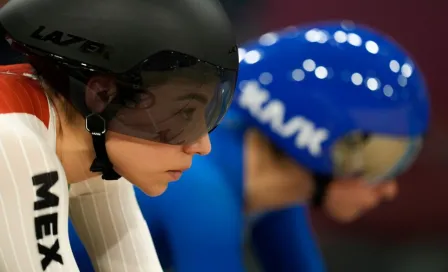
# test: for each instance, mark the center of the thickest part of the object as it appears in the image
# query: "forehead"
(184, 89)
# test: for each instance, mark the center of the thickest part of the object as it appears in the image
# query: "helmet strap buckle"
(96, 125)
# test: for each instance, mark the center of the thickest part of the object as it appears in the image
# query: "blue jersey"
(198, 225)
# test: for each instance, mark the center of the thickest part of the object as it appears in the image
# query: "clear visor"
(375, 158)
(173, 99)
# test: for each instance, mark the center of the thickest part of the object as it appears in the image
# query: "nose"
(202, 146)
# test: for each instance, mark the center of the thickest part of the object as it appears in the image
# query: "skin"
(274, 183)
(146, 164)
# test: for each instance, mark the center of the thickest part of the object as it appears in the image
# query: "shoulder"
(21, 93)
(24, 111)
(24, 153)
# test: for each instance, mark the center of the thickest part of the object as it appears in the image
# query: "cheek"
(130, 157)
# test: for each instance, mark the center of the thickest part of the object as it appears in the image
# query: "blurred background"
(411, 233)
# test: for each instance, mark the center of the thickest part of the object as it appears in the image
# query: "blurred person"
(325, 114)
(411, 233)
(108, 94)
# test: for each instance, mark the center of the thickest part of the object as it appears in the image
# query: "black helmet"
(174, 63)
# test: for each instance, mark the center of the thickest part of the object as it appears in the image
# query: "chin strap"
(321, 183)
(96, 126)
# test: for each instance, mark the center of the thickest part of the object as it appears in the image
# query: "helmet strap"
(321, 182)
(97, 127)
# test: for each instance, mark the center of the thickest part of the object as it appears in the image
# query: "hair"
(55, 85)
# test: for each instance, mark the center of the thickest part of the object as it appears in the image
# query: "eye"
(188, 113)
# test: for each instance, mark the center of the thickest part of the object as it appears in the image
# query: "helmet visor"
(171, 98)
(375, 157)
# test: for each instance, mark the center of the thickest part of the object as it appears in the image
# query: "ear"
(257, 151)
(100, 92)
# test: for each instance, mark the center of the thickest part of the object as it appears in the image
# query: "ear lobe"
(100, 92)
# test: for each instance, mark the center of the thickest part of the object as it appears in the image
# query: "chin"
(154, 189)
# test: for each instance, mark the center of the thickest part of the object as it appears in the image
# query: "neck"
(272, 183)
(74, 145)
(268, 191)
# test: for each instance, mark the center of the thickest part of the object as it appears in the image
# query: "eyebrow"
(194, 96)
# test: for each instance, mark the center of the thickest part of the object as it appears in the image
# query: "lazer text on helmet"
(272, 111)
(64, 39)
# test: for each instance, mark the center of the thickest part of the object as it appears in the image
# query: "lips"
(175, 174)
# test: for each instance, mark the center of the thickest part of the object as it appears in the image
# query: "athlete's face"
(176, 108)
(136, 142)
(273, 180)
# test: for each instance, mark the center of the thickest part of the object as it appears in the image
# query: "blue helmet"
(339, 98)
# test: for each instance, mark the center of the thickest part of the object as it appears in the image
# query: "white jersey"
(35, 202)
